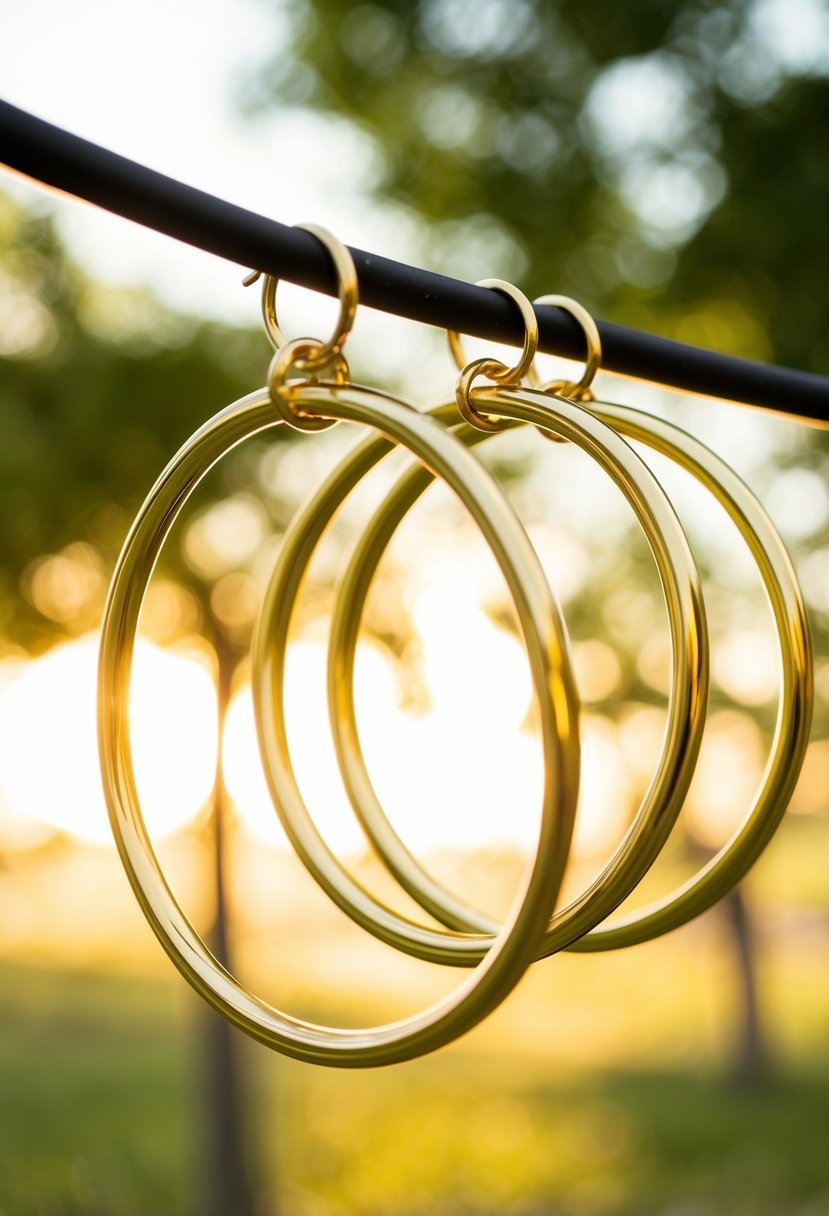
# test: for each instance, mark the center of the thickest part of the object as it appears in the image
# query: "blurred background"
(665, 165)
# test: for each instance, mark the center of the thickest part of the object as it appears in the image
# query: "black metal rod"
(68, 163)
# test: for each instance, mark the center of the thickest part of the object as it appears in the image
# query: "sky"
(162, 83)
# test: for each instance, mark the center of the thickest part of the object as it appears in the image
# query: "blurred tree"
(664, 164)
(98, 387)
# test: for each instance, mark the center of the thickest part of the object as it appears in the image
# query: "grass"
(472, 1139)
(94, 1096)
(100, 1116)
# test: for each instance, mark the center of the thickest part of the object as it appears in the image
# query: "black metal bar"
(68, 163)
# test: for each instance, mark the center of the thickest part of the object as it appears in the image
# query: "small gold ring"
(494, 369)
(463, 395)
(578, 390)
(348, 293)
(303, 354)
(500, 372)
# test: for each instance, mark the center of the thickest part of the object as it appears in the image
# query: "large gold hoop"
(546, 647)
(686, 707)
(791, 732)
(796, 696)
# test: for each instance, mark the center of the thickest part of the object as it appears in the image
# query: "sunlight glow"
(464, 771)
(728, 772)
(312, 753)
(746, 665)
(439, 785)
(48, 753)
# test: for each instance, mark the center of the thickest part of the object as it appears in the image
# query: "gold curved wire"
(290, 357)
(791, 732)
(579, 390)
(323, 353)
(796, 695)
(686, 712)
(545, 642)
(494, 369)
(310, 356)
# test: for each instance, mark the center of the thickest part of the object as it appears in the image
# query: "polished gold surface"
(309, 388)
(494, 369)
(689, 676)
(791, 733)
(292, 357)
(578, 390)
(322, 353)
(794, 715)
(295, 553)
(544, 638)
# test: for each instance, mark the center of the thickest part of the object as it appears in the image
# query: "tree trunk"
(751, 1063)
(225, 1187)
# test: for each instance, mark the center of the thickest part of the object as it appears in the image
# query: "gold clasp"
(309, 355)
(579, 390)
(494, 368)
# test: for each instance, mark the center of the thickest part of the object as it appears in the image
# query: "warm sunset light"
(48, 743)
(462, 771)
(312, 751)
(436, 785)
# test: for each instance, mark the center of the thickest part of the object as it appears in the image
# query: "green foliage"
(664, 164)
(92, 1111)
(97, 390)
(99, 1116)
(615, 1144)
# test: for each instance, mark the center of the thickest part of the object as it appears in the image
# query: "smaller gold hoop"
(348, 294)
(494, 369)
(576, 390)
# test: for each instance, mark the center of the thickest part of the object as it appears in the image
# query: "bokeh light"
(48, 755)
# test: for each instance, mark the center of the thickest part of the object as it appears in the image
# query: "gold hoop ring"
(796, 697)
(579, 390)
(546, 648)
(310, 355)
(282, 390)
(494, 369)
(791, 731)
(667, 792)
(323, 353)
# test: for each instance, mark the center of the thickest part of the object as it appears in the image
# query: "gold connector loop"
(301, 355)
(494, 369)
(309, 355)
(578, 390)
(348, 293)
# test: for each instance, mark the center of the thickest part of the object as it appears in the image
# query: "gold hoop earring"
(793, 720)
(790, 736)
(796, 696)
(494, 369)
(324, 353)
(686, 708)
(581, 389)
(547, 651)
